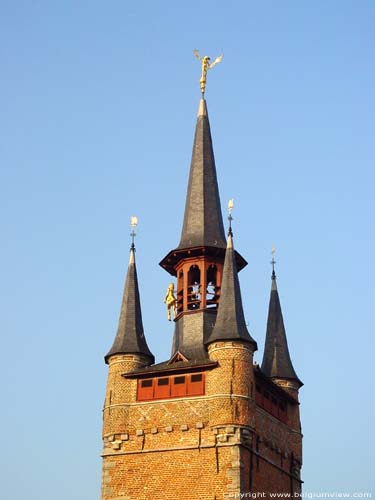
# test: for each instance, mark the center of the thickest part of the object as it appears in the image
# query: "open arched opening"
(194, 288)
(212, 289)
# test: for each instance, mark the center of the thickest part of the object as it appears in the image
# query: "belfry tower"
(207, 423)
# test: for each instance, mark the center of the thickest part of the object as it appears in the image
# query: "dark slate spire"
(130, 338)
(230, 322)
(203, 223)
(276, 359)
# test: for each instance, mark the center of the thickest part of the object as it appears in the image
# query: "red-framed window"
(195, 384)
(145, 389)
(162, 388)
(178, 386)
(173, 386)
(271, 403)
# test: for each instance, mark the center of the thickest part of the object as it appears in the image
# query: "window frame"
(177, 386)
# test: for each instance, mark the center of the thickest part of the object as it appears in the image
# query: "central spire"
(203, 222)
(198, 260)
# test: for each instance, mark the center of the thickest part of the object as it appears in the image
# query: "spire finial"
(205, 60)
(273, 262)
(133, 225)
(230, 218)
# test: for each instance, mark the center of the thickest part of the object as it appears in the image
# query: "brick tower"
(208, 423)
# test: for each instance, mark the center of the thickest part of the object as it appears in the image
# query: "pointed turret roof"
(130, 338)
(276, 359)
(230, 322)
(203, 222)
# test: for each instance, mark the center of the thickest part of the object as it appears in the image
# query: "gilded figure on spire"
(205, 60)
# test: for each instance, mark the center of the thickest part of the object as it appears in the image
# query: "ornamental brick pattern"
(205, 447)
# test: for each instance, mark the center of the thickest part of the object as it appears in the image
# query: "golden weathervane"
(133, 225)
(206, 65)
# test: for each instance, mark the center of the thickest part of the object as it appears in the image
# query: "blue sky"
(98, 103)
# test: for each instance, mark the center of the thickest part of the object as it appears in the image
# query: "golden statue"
(205, 67)
(171, 301)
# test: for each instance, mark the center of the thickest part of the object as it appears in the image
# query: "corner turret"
(277, 363)
(130, 338)
(230, 322)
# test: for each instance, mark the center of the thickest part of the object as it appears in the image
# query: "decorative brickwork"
(203, 447)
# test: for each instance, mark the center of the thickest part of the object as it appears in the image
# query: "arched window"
(194, 288)
(211, 291)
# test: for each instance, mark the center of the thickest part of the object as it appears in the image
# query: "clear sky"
(98, 104)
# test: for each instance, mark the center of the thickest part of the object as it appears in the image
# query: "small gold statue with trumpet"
(206, 65)
(171, 302)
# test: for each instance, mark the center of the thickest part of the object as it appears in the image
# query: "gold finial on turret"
(230, 206)
(273, 261)
(230, 218)
(133, 225)
(205, 60)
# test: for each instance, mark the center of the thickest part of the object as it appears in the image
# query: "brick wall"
(205, 447)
